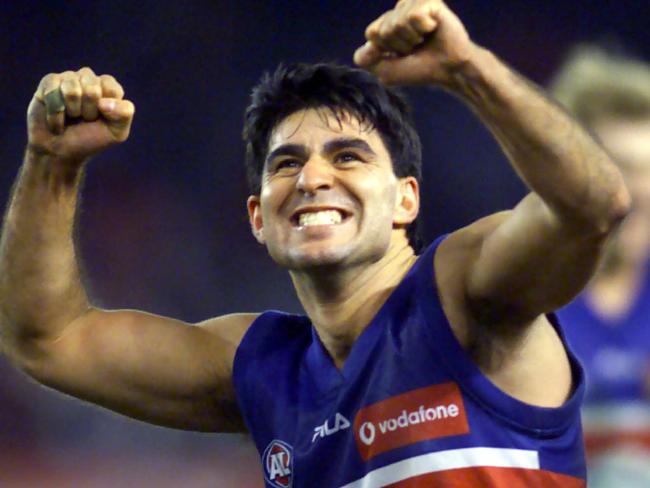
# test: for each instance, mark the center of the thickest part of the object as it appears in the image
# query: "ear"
(255, 217)
(407, 202)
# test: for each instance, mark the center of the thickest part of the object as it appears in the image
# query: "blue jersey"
(408, 409)
(615, 352)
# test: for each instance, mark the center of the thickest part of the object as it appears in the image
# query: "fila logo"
(340, 423)
(278, 464)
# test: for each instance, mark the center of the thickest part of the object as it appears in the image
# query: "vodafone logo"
(418, 415)
(367, 433)
(278, 464)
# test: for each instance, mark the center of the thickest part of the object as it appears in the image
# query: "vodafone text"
(368, 432)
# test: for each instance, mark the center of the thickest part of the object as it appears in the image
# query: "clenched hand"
(417, 42)
(75, 114)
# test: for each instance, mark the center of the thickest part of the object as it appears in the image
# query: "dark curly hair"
(337, 88)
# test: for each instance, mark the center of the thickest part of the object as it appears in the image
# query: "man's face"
(628, 142)
(329, 195)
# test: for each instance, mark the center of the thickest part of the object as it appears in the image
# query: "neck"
(342, 302)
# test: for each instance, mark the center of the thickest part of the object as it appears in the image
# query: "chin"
(306, 258)
(311, 256)
(317, 258)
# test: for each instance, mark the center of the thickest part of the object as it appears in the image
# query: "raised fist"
(417, 42)
(76, 114)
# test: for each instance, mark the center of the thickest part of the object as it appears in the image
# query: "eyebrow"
(300, 151)
(347, 143)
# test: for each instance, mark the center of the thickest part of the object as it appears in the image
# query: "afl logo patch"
(278, 464)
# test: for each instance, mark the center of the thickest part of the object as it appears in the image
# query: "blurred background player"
(608, 326)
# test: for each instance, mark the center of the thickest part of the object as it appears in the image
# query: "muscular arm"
(547, 247)
(518, 264)
(148, 367)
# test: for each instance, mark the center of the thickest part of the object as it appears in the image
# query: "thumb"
(407, 70)
(118, 115)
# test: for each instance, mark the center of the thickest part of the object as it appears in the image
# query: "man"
(432, 369)
(608, 324)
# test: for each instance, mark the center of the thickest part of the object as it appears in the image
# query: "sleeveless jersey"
(408, 409)
(615, 352)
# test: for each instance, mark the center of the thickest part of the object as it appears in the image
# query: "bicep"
(528, 262)
(149, 367)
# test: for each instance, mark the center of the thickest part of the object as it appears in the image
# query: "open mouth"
(315, 217)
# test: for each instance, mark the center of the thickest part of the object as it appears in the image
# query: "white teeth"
(325, 217)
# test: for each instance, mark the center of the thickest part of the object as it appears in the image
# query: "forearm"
(552, 153)
(40, 288)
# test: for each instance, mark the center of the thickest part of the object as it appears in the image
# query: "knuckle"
(110, 85)
(92, 94)
(48, 78)
(371, 31)
(115, 91)
(108, 78)
(49, 82)
(414, 17)
(70, 84)
(85, 71)
(89, 80)
(375, 38)
(385, 30)
(72, 94)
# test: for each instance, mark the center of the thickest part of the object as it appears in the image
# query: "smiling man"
(311, 151)
(439, 368)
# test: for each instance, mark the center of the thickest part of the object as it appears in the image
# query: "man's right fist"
(76, 114)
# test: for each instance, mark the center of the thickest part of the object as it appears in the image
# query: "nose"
(316, 174)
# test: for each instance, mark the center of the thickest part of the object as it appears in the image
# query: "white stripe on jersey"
(446, 460)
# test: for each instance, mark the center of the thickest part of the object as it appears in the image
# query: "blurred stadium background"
(163, 223)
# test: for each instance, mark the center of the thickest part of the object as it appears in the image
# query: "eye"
(347, 157)
(286, 164)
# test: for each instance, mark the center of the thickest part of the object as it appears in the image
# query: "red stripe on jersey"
(491, 477)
